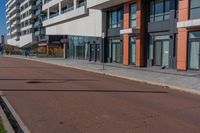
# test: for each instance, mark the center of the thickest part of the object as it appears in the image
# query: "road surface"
(54, 99)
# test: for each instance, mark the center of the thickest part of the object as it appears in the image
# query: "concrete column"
(75, 4)
(64, 51)
(60, 7)
(48, 13)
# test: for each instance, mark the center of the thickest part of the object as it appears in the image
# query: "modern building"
(79, 26)
(143, 33)
(163, 33)
(19, 24)
(25, 30)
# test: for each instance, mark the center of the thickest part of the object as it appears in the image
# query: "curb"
(10, 109)
(173, 87)
(5, 121)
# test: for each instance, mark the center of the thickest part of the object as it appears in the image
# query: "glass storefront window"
(194, 50)
(133, 15)
(78, 48)
(194, 9)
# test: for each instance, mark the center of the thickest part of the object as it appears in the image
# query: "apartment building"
(13, 21)
(19, 22)
(79, 26)
(143, 33)
(24, 26)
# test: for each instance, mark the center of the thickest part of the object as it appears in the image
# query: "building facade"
(143, 33)
(160, 33)
(19, 15)
(79, 26)
(25, 29)
(189, 35)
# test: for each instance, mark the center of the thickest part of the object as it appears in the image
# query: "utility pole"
(103, 36)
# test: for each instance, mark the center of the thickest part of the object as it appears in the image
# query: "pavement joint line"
(172, 87)
(16, 116)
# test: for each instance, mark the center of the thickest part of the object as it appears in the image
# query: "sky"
(2, 17)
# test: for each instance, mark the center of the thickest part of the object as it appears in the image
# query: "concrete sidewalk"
(184, 81)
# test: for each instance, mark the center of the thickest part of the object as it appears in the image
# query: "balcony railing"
(54, 15)
(67, 9)
(81, 4)
(47, 1)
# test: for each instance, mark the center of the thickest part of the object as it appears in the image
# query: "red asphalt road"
(54, 99)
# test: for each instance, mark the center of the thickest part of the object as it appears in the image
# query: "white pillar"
(75, 3)
(48, 14)
(59, 7)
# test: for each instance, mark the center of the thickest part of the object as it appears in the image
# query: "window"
(133, 15)
(194, 9)
(159, 10)
(115, 18)
(194, 50)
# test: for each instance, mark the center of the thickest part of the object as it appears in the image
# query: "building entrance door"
(115, 51)
(132, 50)
(194, 53)
(161, 53)
(95, 52)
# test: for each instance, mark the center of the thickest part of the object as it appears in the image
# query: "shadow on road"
(39, 81)
(59, 81)
(101, 91)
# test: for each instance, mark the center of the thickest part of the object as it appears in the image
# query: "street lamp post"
(103, 36)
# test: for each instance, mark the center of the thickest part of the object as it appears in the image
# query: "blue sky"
(2, 17)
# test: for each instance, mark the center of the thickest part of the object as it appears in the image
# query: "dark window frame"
(165, 14)
(119, 22)
(130, 18)
(190, 10)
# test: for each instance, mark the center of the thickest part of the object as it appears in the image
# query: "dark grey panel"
(113, 32)
(159, 26)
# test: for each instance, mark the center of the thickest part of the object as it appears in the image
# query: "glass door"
(132, 50)
(194, 62)
(115, 50)
(165, 53)
(161, 53)
(157, 53)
